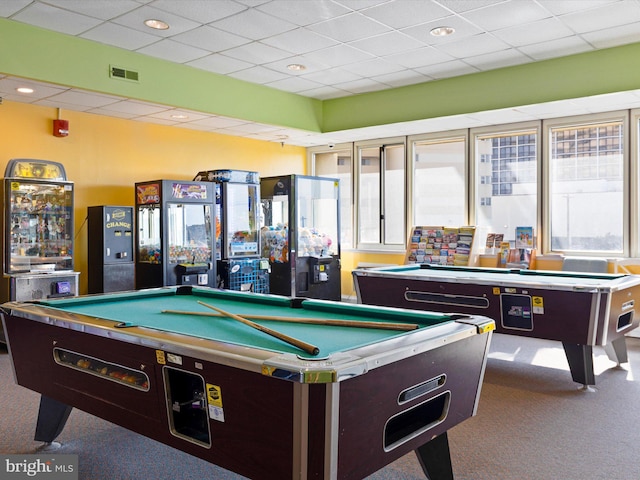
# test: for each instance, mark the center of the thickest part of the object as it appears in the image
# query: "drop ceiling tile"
(134, 108)
(614, 36)
(338, 55)
(179, 115)
(473, 46)
(447, 69)
(503, 58)
(259, 75)
(135, 19)
(119, 36)
(332, 76)
(219, 122)
(52, 18)
(210, 38)
(84, 99)
(201, 11)
(562, 7)
(177, 52)
(420, 57)
(402, 78)
(534, 32)
(221, 64)
(257, 53)
(603, 17)
(8, 87)
(387, 44)
(46, 102)
(299, 41)
(506, 14)
(305, 12)
(111, 113)
(562, 46)
(294, 84)
(400, 14)
(462, 28)
(9, 8)
(311, 66)
(462, 6)
(374, 67)
(350, 27)
(102, 9)
(324, 93)
(253, 24)
(360, 86)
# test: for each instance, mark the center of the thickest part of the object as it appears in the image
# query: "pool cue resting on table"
(313, 321)
(307, 347)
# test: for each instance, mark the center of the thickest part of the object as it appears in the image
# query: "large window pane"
(439, 183)
(586, 192)
(509, 200)
(339, 165)
(394, 198)
(369, 193)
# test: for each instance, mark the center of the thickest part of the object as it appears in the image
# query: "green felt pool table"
(244, 399)
(579, 309)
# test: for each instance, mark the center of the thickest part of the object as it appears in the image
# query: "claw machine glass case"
(38, 231)
(300, 236)
(238, 241)
(175, 221)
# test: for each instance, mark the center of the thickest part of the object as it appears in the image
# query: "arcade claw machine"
(38, 232)
(238, 243)
(300, 236)
(175, 231)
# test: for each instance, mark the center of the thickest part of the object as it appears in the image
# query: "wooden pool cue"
(307, 347)
(313, 321)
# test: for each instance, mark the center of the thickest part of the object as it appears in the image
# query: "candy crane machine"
(300, 235)
(38, 235)
(238, 242)
(175, 231)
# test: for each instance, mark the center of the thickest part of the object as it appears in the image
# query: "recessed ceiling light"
(157, 24)
(442, 31)
(179, 116)
(296, 67)
(25, 90)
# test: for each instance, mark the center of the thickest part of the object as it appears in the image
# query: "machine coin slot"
(320, 267)
(187, 406)
(192, 273)
(421, 389)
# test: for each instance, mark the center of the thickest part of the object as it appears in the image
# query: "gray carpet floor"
(533, 423)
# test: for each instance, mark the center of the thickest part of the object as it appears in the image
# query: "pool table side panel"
(390, 292)
(361, 438)
(255, 437)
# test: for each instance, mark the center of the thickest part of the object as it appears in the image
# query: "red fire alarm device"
(60, 128)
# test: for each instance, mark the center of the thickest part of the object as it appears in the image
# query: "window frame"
(582, 121)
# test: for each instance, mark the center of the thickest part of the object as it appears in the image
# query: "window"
(338, 164)
(381, 194)
(439, 182)
(586, 193)
(506, 178)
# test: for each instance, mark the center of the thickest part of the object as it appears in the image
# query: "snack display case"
(38, 231)
(238, 238)
(300, 236)
(175, 222)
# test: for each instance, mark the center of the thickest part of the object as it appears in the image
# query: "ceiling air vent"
(123, 74)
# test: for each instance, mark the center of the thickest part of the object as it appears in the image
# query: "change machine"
(238, 242)
(38, 232)
(175, 222)
(300, 235)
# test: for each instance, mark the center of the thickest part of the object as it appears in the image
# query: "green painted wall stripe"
(43, 55)
(592, 73)
(39, 54)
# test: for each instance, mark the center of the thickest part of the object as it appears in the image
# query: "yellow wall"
(105, 156)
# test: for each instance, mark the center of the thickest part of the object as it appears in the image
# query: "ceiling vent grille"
(123, 74)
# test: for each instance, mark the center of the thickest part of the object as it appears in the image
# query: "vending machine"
(37, 216)
(111, 265)
(175, 231)
(300, 236)
(240, 266)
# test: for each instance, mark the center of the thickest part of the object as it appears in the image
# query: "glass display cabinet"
(300, 235)
(237, 240)
(175, 233)
(38, 231)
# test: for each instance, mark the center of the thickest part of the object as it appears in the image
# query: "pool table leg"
(617, 350)
(580, 358)
(435, 458)
(52, 417)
